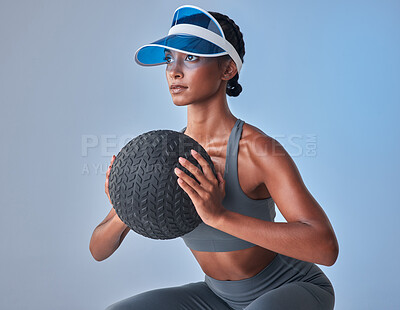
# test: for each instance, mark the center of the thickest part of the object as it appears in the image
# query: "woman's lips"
(177, 89)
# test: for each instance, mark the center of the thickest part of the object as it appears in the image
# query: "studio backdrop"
(321, 77)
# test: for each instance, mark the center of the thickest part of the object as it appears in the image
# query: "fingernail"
(194, 152)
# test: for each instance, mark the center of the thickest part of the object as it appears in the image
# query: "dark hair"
(235, 37)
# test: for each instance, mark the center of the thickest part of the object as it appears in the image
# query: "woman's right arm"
(107, 236)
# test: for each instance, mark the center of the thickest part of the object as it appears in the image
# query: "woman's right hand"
(107, 176)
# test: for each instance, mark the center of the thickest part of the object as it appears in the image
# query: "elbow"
(93, 255)
(331, 257)
(97, 258)
(331, 251)
(328, 247)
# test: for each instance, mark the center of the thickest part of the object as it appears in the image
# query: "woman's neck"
(209, 123)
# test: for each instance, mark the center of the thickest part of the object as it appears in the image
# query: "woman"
(249, 261)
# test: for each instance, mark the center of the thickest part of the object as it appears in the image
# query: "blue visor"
(154, 53)
(195, 16)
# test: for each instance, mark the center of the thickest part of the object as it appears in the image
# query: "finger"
(189, 181)
(107, 185)
(204, 164)
(109, 167)
(195, 171)
(112, 160)
(194, 196)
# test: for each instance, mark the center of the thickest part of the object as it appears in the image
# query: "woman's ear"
(230, 70)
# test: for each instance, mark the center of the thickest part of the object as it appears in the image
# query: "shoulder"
(259, 143)
(265, 152)
(273, 166)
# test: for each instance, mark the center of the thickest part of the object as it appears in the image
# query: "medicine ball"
(143, 186)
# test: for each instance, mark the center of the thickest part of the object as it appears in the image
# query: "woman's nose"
(174, 69)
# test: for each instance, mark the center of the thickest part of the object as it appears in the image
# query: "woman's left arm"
(308, 234)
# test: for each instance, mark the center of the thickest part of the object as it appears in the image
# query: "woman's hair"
(235, 37)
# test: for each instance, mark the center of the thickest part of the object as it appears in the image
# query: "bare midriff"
(234, 265)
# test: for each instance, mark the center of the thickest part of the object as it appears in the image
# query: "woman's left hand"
(208, 195)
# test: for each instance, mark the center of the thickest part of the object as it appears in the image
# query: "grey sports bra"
(209, 239)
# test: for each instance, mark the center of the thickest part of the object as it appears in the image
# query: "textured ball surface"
(143, 186)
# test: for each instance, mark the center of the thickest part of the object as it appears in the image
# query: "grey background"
(320, 69)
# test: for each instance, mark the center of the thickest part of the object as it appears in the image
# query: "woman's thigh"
(294, 295)
(190, 296)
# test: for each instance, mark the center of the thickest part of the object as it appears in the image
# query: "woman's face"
(200, 76)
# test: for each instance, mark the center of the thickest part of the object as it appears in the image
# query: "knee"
(137, 302)
(115, 306)
(154, 299)
(120, 305)
(301, 296)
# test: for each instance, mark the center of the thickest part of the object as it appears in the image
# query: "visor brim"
(154, 53)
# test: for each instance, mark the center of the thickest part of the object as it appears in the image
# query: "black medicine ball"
(143, 186)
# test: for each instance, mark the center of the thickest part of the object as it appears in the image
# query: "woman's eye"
(195, 57)
(189, 57)
(167, 58)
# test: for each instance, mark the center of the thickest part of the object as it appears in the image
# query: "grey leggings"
(286, 283)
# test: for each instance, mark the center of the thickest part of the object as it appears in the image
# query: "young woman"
(249, 261)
